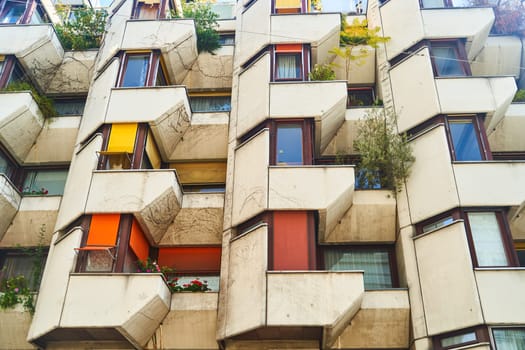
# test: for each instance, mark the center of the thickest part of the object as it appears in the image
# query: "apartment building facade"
(237, 169)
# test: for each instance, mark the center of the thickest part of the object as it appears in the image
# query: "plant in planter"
(84, 31)
(205, 24)
(386, 156)
(353, 40)
(195, 285)
(322, 72)
(45, 104)
(151, 266)
(520, 96)
(15, 291)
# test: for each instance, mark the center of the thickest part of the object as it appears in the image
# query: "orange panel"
(103, 229)
(137, 242)
(289, 48)
(191, 259)
(290, 240)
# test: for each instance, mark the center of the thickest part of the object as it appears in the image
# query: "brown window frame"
(155, 66)
(455, 214)
(364, 90)
(461, 55)
(302, 9)
(304, 59)
(390, 249)
(481, 135)
(481, 333)
(493, 343)
(504, 230)
(307, 127)
(161, 9)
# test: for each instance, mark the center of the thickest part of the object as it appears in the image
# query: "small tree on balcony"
(83, 30)
(386, 156)
(353, 40)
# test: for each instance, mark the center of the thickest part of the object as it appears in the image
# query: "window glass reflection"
(464, 137)
(289, 144)
(136, 71)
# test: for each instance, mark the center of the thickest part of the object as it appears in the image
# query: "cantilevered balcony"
(508, 135)
(407, 24)
(277, 299)
(153, 196)
(20, 122)
(122, 308)
(175, 38)
(321, 30)
(10, 200)
(424, 96)
(467, 183)
(36, 47)
(323, 100)
(261, 187)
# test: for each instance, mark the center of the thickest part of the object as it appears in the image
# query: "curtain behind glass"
(375, 264)
(287, 67)
(487, 239)
(509, 338)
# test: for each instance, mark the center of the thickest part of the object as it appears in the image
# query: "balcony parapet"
(507, 136)
(153, 196)
(407, 24)
(10, 200)
(21, 121)
(37, 48)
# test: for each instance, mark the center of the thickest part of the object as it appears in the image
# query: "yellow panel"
(122, 138)
(2, 58)
(279, 4)
(200, 173)
(153, 152)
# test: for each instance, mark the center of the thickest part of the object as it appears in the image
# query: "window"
(461, 338)
(520, 252)
(289, 6)
(292, 142)
(376, 262)
(69, 106)
(227, 39)
(452, 3)
(467, 138)
(210, 103)
(12, 12)
(291, 62)
(16, 263)
(225, 9)
(142, 69)
(49, 182)
(449, 58)
(360, 97)
(509, 338)
(150, 9)
(489, 238)
(7, 166)
(10, 71)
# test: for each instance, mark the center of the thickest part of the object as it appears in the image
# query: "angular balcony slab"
(495, 284)
(153, 196)
(500, 56)
(167, 111)
(517, 221)
(20, 122)
(325, 101)
(74, 74)
(199, 221)
(36, 47)
(10, 200)
(508, 136)
(381, 323)
(112, 307)
(14, 324)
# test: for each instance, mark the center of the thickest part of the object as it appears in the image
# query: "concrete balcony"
(153, 196)
(14, 324)
(323, 100)
(36, 47)
(500, 56)
(491, 182)
(320, 30)
(20, 122)
(260, 187)
(123, 308)
(507, 136)
(385, 313)
(495, 284)
(191, 322)
(10, 200)
(277, 299)
(35, 215)
(199, 221)
(447, 95)
(175, 38)
(407, 24)
(167, 111)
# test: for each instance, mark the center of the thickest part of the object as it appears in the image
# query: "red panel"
(103, 229)
(289, 48)
(191, 259)
(138, 242)
(290, 241)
